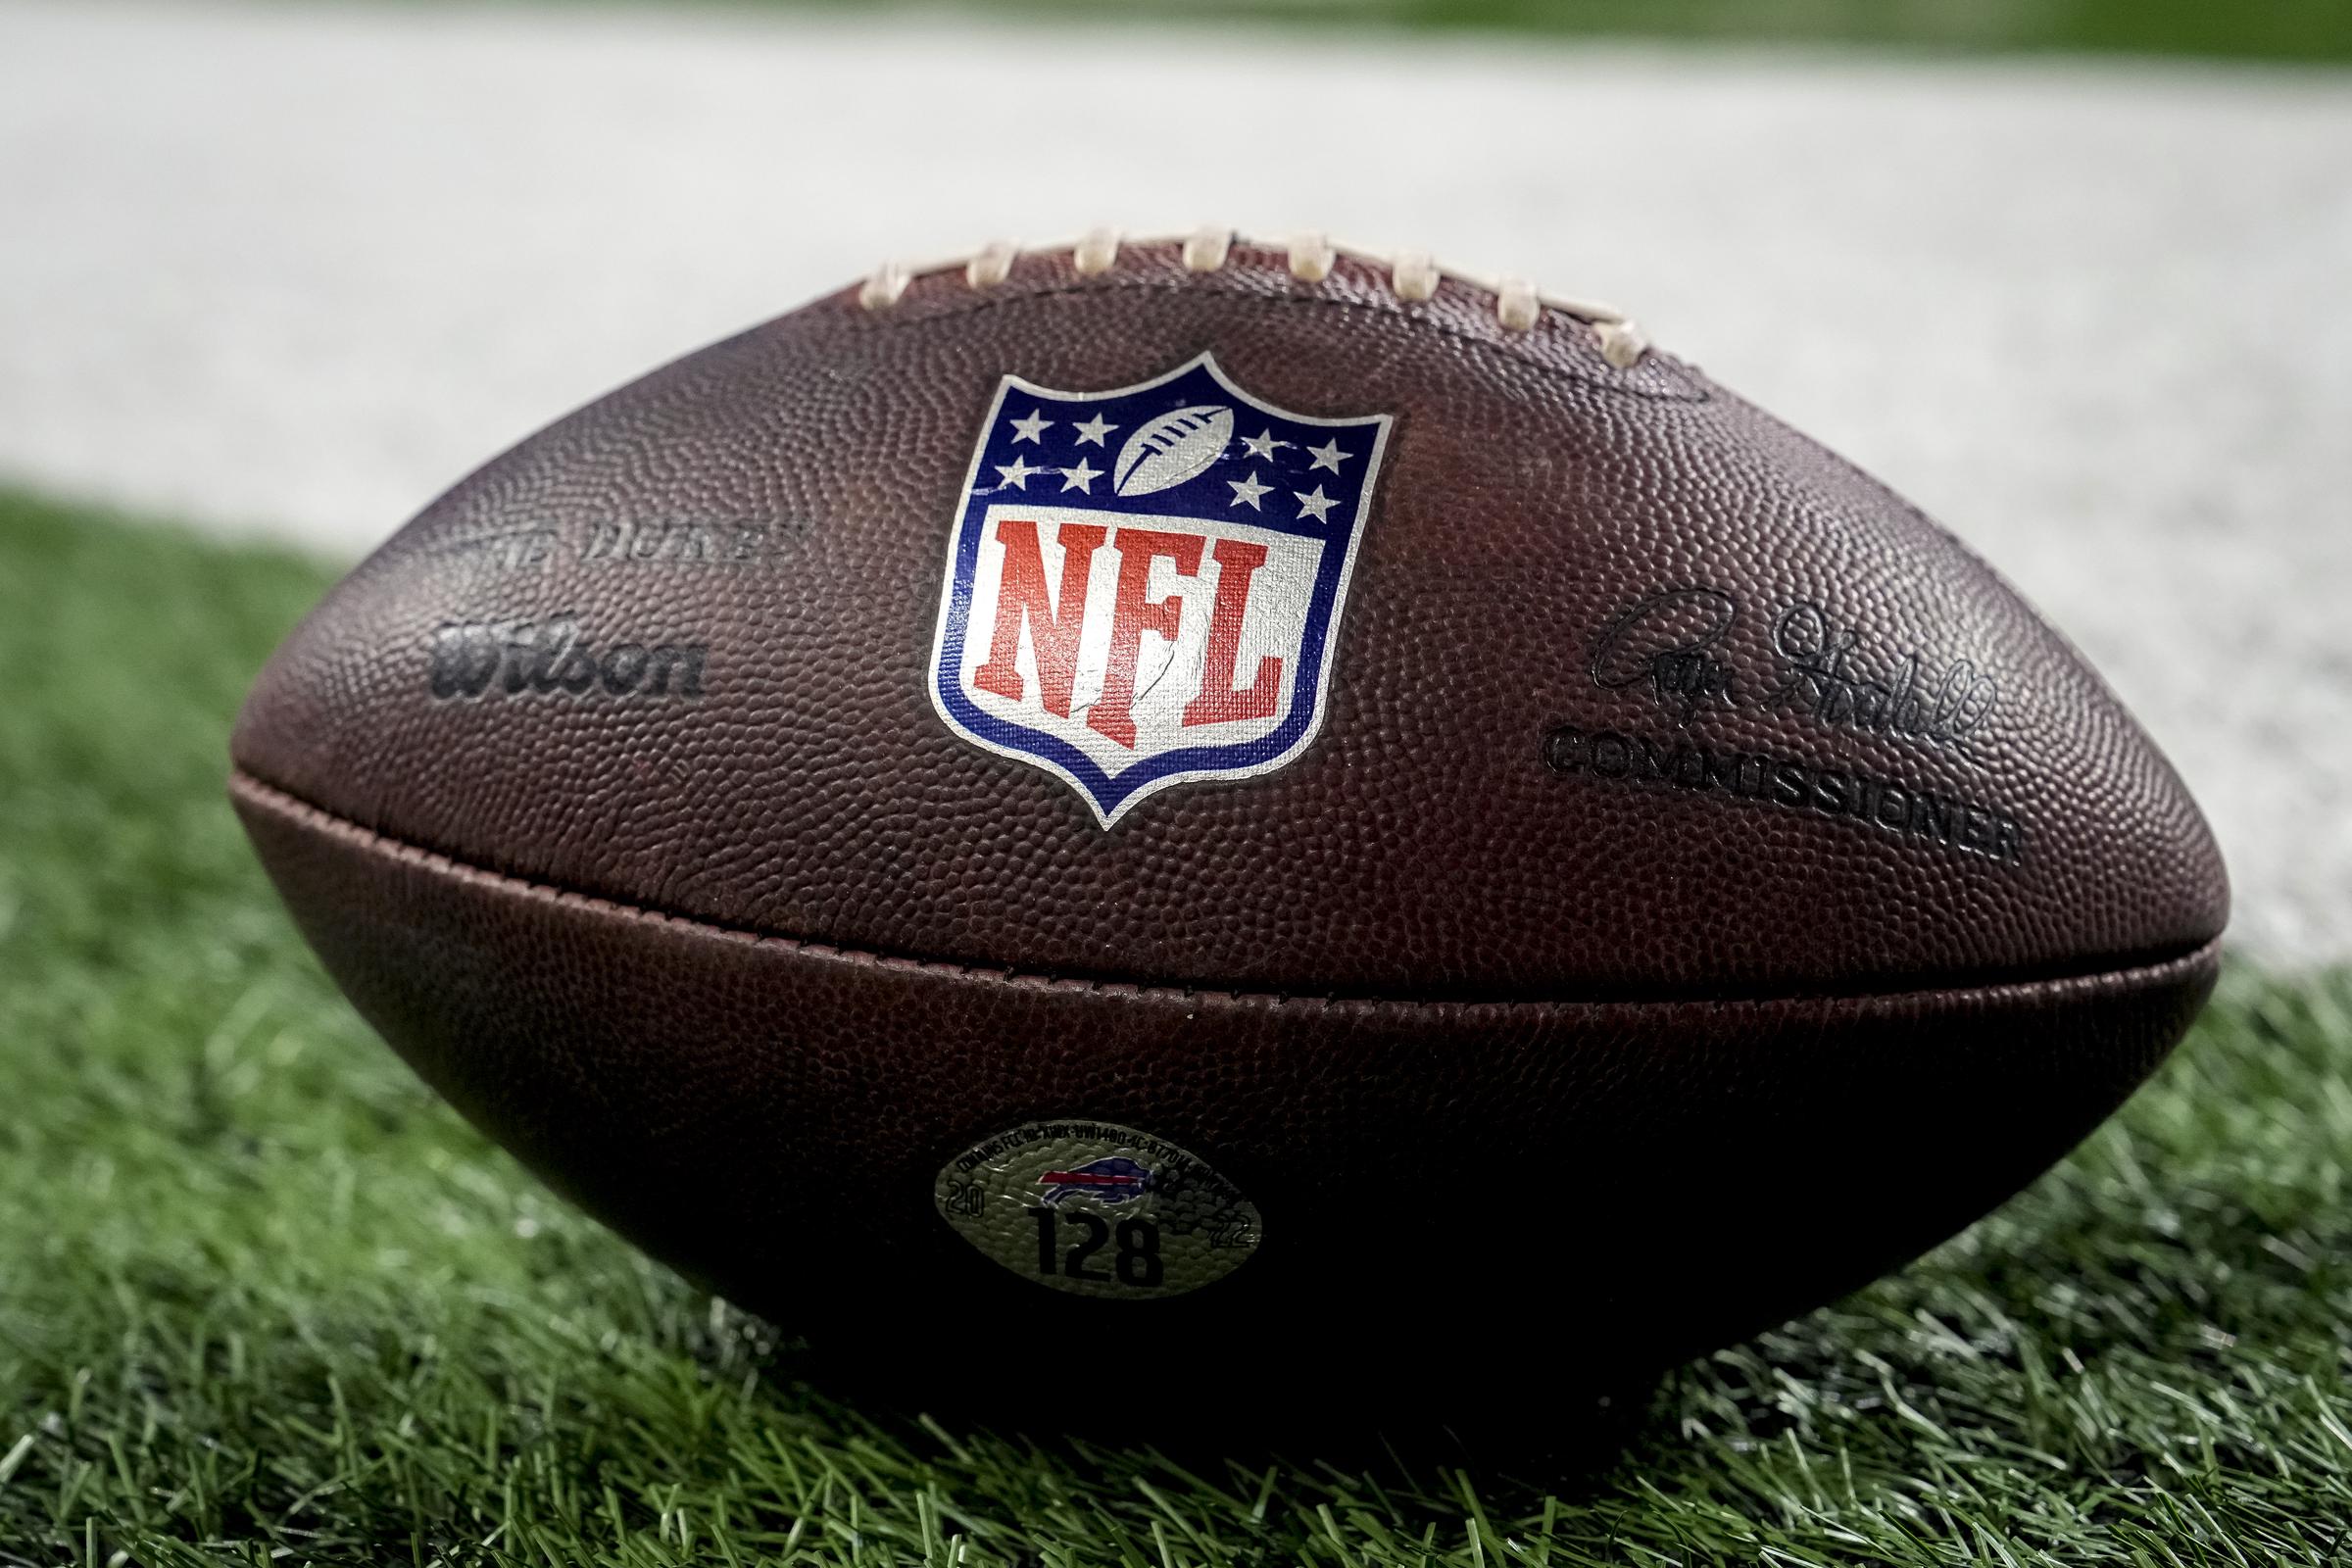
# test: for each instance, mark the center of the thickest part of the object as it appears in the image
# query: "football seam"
(1686, 388)
(336, 826)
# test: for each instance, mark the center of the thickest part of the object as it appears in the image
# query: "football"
(1171, 449)
(1204, 803)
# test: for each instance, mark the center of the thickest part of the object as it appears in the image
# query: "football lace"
(1414, 276)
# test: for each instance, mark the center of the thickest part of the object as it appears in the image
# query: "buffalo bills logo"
(1114, 1180)
(1144, 585)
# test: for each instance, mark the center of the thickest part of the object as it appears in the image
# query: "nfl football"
(1217, 804)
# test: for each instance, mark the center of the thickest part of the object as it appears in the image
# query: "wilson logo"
(550, 657)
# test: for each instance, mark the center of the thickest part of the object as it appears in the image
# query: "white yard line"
(294, 267)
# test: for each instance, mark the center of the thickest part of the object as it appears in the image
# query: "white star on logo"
(1327, 456)
(1261, 446)
(1246, 491)
(1082, 478)
(1017, 474)
(1094, 429)
(1316, 505)
(1033, 428)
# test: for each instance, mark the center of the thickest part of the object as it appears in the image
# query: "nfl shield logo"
(1145, 585)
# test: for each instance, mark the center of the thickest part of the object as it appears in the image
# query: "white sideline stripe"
(295, 268)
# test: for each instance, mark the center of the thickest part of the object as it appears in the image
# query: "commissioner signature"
(1676, 646)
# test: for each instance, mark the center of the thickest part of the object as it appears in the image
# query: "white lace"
(1412, 276)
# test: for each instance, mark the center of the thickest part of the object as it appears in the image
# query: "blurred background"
(2069, 273)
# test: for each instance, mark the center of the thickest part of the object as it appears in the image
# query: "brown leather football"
(1233, 799)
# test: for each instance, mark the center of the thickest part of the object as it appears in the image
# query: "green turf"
(2278, 29)
(261, 1300)
(2298, 30)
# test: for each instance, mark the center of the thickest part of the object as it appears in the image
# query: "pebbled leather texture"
(1499, 1188)
(738, 969)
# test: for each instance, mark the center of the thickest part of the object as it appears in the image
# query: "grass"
(263, 1299)
(2311, 31)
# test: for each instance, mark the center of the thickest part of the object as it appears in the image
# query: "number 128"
(1134, 1263)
